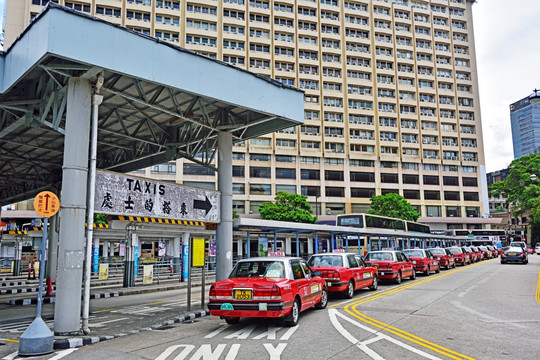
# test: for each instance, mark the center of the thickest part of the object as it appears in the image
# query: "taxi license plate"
(242, 294)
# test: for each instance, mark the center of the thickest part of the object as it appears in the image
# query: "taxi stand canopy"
(317, 231)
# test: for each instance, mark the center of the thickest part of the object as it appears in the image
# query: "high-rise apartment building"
(391, 95)
(525, 122)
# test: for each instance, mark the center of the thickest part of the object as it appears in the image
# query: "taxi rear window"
(326, 260)
(260, 269)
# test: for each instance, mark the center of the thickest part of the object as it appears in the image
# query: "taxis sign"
(120, 194)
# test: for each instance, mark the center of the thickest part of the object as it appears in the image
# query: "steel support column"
(67, 312)
(225, 227)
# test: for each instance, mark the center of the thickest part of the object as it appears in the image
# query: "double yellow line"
(351, 309)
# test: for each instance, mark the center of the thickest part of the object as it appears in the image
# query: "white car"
(537, 249)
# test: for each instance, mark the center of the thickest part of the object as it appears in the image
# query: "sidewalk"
(116, 322)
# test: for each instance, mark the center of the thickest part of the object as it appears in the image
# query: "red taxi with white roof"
(445, 257)
(344, 272)
(423, 260)
(274, 287)
(391, 264)
(461, 256)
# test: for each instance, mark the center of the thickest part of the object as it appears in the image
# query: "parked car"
(514, 254)
(423, 260)
(445, 257)
(472, 254)
(276, 287)
(461, 256)
(479, 253)
(537, 249)
(344, 272)
(485, 251)
(494, 250)
(392, 265)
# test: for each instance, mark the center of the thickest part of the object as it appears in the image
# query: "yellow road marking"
(351, 309)
(100, 311)
(158, 302)
(10, 340)
(538, 287)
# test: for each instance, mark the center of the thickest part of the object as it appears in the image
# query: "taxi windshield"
(326, 260)
(260, 269)
(455, 250)
(380, 256)
(438, 251)
(413, 253)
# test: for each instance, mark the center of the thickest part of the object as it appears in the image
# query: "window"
(291, 189)
(239, 206)
(259, 172)
(450, 180)
(362, 192)
(433, 211)
(196, 169)
(431, 180)
(389, 178)
(259, 157)
(239, 189)
(362, 176)
(285, 158)
(238, 171)
(432, 195)
(472, 211)
(453, 211)
(285, 173)
(410, 179)
(310, 191)
(411, 194)
(470, 196)
(308, 174)
(333, 175)
(451, 195)
(166, 168)
(334, 191)
(260, 189)
(469, 181)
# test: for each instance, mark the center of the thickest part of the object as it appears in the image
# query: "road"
(483, 311)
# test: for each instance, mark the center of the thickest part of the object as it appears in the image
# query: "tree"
(393, 205)
(288, 207)
(521, 191)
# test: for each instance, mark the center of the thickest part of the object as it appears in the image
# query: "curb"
(62, 344)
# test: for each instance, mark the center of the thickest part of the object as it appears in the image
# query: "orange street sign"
(46, 204)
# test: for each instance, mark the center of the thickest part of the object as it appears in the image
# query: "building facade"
(391, 96)
(525, 122)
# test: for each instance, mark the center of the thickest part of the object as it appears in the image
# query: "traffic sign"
(46, 204)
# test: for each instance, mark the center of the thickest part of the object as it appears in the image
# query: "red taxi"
(479, 253)
(486, 253)
(494, 250)
(444, 256)
(344, 272)
(276, 287)
(461, 256)
(423, 260)
(390, 264)
(472, 254)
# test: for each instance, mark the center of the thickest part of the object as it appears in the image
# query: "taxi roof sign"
(46, 204)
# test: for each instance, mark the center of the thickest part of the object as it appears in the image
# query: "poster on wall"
(212, 248)
(263, 245)
(122, 250)
(162, 248)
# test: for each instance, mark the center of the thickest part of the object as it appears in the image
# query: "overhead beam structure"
(160, 103)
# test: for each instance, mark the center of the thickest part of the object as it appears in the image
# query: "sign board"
(120, 194)
(277, 253)
(263, 246)
(198, 253)
(148, 274)
(339, 250)
(46, 204)
(103, 271)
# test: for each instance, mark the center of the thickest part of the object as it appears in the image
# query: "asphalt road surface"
(482, 311)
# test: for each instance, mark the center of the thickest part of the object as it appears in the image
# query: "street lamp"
(534, 99)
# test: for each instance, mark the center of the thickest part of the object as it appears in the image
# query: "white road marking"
(479, 314)
(243, 333)
(289, 333)
(63, 353)
(270, 334)
(333, 313)
(101, 324)
(275, 353)
(231, 355)
(217, 331)
(205, 352)
(11, 356)
(187, 349)
(463, 293)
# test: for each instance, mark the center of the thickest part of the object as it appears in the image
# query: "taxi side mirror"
(317, 273)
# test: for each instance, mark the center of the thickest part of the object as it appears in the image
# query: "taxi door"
(301, 284)
(404, 264)
(356, 272)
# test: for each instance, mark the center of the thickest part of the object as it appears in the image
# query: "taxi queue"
(283, 287)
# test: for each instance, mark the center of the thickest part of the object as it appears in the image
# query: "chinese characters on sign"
(46, 204)
(119, 194)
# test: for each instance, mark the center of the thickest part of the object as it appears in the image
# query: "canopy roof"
(160, 102)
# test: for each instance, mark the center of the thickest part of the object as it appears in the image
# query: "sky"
(508, 61)
(507, 40)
